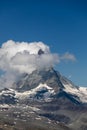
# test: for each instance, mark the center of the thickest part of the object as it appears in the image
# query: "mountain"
(47, 76)
(44, 97)
(48, 83)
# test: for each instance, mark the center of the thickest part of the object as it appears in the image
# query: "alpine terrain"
(43, 100)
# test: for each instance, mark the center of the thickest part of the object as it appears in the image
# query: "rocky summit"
(43, 100)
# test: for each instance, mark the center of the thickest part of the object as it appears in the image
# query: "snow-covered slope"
(80, 92)
(42, 91)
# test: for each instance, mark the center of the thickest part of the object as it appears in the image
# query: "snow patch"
(31, 93)
(81, 92)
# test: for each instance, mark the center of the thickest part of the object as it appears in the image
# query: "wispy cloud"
(68, 56)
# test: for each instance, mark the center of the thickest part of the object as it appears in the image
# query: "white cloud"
(68, 56)
(23, 57)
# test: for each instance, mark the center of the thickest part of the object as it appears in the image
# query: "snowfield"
(81, 92)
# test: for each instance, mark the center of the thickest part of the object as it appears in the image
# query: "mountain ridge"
(40, 80)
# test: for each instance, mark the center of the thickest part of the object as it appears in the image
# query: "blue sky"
(61, 24)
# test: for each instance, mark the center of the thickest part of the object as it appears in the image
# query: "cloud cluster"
(23, 57)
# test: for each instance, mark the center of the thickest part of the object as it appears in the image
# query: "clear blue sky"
(62, 24)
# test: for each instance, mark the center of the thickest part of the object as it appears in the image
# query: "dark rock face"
(40, 52)
(7, 100)
(7, 97)
(57, 117)
(64, 96)
(48, 76)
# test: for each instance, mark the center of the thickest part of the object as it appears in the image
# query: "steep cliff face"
(45, 76)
